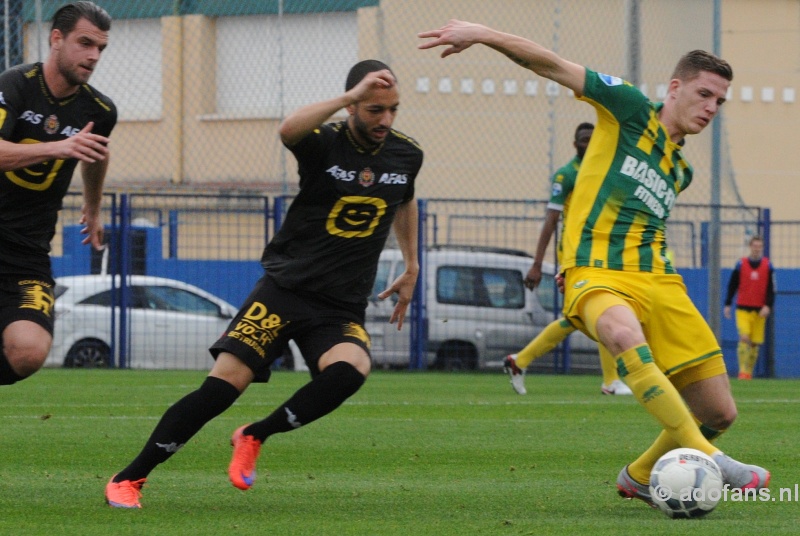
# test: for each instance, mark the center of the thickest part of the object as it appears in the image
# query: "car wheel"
(456, 356)
(88, 353)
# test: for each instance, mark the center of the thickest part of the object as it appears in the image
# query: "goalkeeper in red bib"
(753, 283)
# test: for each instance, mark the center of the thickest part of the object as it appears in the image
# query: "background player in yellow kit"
(562, 184)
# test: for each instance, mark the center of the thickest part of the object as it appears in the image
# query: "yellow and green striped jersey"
(627, 184)
(561, 186)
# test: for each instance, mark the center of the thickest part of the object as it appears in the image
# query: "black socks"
(186, 417)
(322, 395)
(179, 423)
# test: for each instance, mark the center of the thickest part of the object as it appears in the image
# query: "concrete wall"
(197, 148)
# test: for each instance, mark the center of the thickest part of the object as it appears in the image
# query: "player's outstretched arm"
(303, 121)
(406, 222)
(459, 35)
(84, 146)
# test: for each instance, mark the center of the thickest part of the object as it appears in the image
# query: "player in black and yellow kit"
(356, 182)
(50, 119)
(621, 287)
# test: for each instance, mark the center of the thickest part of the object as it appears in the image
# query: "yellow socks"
(660, 398)
(748, 355)
(550, 336)
(641, 467)
(753, 358)
(743, 353)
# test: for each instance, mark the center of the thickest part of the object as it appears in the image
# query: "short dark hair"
(697, 61)
(362, 69)
(755, 238)
(68, 16)
(583, 126)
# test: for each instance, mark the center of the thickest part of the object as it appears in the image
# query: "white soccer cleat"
(517, 374)
(617, 387)
(741, 475)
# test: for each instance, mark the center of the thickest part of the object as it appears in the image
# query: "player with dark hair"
(50, 119)
(67, 16)
(356, 182)
(562, 184)
(753, 283)
(621, 288)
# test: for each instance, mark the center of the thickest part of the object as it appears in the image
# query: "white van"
(478, 309)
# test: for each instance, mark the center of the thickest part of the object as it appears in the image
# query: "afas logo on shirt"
(30, 117)
(366, 177)
(610, 80)
(51, 124)
(341, 174)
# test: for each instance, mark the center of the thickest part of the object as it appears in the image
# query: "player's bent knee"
(727, 418)
(25, 347)
(722, 418)
(229, 368)
(363, 365)
(348, 378)
(619, 330)
(349, 353)
(28, 367)
(25, 361)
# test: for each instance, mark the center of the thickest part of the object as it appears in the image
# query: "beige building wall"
(469, 153)
(761, 39)
(190, 144)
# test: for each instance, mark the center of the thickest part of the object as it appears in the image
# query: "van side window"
(547, 294)
(480, 287)
(505, 288)
(381, 279)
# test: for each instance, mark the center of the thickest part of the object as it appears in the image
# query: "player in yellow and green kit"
(562, 184)
(620, 286)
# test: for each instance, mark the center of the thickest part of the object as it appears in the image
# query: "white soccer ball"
(686, 483)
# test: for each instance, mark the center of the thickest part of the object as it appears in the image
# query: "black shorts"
(26, 299)
(272, 316)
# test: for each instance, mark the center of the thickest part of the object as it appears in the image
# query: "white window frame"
(269, 65)
(129, 71)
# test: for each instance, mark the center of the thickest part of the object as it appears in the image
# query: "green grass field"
(410, 454)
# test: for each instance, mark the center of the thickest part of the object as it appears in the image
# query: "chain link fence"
(202, 85)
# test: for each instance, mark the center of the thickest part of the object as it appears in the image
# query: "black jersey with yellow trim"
(337, 225)
(31, 197)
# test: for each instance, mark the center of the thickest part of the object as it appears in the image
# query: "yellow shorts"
(678, 335)
(750, 324)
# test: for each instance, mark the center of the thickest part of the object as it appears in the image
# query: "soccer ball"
(685, 483)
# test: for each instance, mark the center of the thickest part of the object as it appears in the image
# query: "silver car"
(168, 324)
(478, 310)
